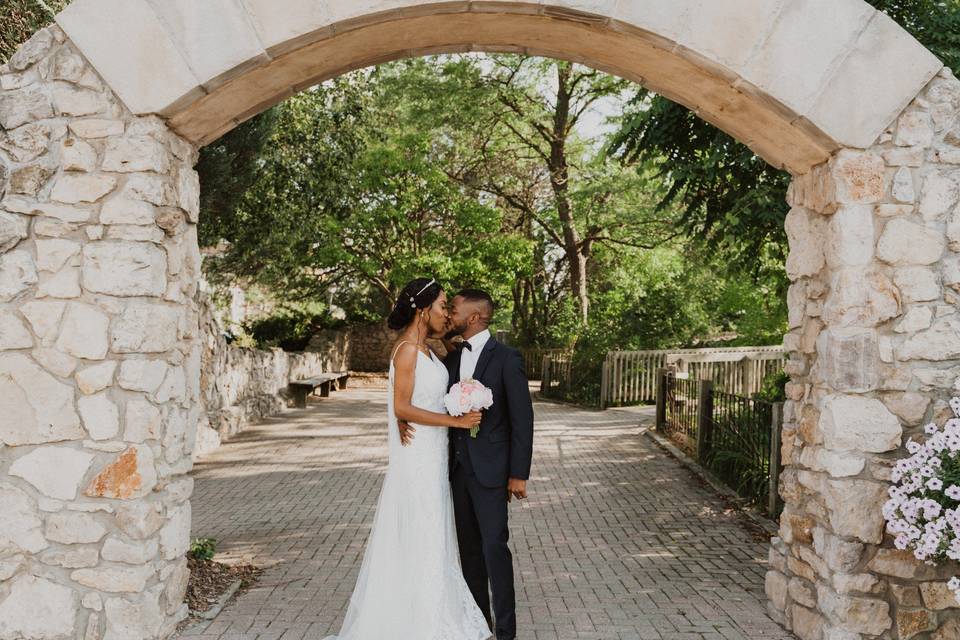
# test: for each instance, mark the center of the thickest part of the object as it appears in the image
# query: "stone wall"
(874, 344)
(364, 347)
(99, 355)
(239, 385)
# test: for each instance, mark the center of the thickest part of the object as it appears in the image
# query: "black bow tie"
(466, 345)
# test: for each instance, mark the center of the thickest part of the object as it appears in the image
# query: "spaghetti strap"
(397, 348)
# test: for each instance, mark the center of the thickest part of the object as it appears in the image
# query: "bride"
(410, 585)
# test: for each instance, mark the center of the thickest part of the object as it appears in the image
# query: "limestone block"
(130, 552)
(68, 66)
(136, 233)
(142, 420)
(56, 472)
(61, 212)
(26, 143)
(44, 317)
(904, 156)
(903, 189)
(177, 583)
(13, 229)
(861, 299)
(174, 386)
(145, 328)
(835, 463)
(949, 630)
(96, 378)
(114, 579)
(140, 519)
(69, 527)
(839, 554)
(55, 361)
(38, 608)
(849, 358)
(917, 284)
(140, 153)
(83, 332)
(72, 188)
(787, 66)
(150, 188)
(32, 51)
(937, 596)
(140, 618)
(29, 180)
(855, 508)
(128, 64)
(850, 238)
(21, 525)
(775, 585)
(858, 102)
(188, 188)
(13, 333)
(132, 474)
(940, 342)
(175, 535)
(74, 101)
(214, 37)
(37, 408)
(53, 255)
(100, 415)
(96, 127)
(806, 233)
(914, 128)
(142, 375)
(17, 274)
(940, 195)
(909, 243)
(807, 623)
(124, 268)
(859, 177)
(915, 319)
(23, 107)
(856, 423)
(909, 406)
(77, 155)
(120, 210)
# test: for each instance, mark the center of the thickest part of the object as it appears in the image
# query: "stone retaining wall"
(364, 347)
(240, 385)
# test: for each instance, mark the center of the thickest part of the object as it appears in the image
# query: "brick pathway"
(617, 540)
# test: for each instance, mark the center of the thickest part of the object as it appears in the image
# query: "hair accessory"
(432, 281)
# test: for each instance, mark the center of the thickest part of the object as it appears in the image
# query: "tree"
(732, 200)
(21, 19)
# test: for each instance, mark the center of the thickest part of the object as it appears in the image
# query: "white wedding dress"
(411, 586)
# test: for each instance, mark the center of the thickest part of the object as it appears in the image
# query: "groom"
(489, 470)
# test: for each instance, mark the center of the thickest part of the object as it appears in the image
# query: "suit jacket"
(503, 447)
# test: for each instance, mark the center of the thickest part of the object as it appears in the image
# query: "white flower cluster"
(923, 511)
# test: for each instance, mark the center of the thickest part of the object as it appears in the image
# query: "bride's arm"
(405, 366)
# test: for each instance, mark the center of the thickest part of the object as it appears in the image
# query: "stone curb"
(214, 611)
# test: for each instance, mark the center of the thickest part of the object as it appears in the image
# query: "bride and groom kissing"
(438, 545)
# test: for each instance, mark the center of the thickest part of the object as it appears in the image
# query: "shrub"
(203, 548)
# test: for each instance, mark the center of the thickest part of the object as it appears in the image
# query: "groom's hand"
(516, 489)
(406, 432)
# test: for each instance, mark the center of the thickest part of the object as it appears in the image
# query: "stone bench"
(300, 389)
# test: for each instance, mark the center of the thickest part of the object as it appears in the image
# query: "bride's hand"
(468, 420)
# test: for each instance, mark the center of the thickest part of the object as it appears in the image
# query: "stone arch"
(102, 116)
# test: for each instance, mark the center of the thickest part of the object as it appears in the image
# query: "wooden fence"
(556, 374)
(735, 437)
(533, 359)
(629, 377)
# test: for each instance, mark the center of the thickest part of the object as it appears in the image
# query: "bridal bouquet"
(466, 396)
(923, 511)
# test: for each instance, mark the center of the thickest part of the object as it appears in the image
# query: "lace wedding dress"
(410, 585)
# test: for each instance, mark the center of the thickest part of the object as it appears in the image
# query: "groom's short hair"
(479, 296)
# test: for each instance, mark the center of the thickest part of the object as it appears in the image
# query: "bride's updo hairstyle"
(418, 294)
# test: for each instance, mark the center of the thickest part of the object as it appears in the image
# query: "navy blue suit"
(479, 470)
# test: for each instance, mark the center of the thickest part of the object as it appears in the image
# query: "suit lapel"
(485, 356)
(455, 366)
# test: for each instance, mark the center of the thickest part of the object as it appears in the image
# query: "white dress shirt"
(469, 357)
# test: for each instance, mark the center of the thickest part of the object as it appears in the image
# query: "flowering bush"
(466, 396)
(923, 511)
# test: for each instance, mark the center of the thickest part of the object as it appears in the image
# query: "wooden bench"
(325, 381)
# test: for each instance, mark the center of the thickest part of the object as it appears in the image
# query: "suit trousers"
(483, 533)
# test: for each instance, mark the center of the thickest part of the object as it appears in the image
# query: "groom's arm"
(520, 410)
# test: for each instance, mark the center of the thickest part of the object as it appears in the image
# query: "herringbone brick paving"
(616, 542)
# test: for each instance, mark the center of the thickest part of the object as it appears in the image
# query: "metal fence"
(735, 437)
(629, 377)
(556, 375)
